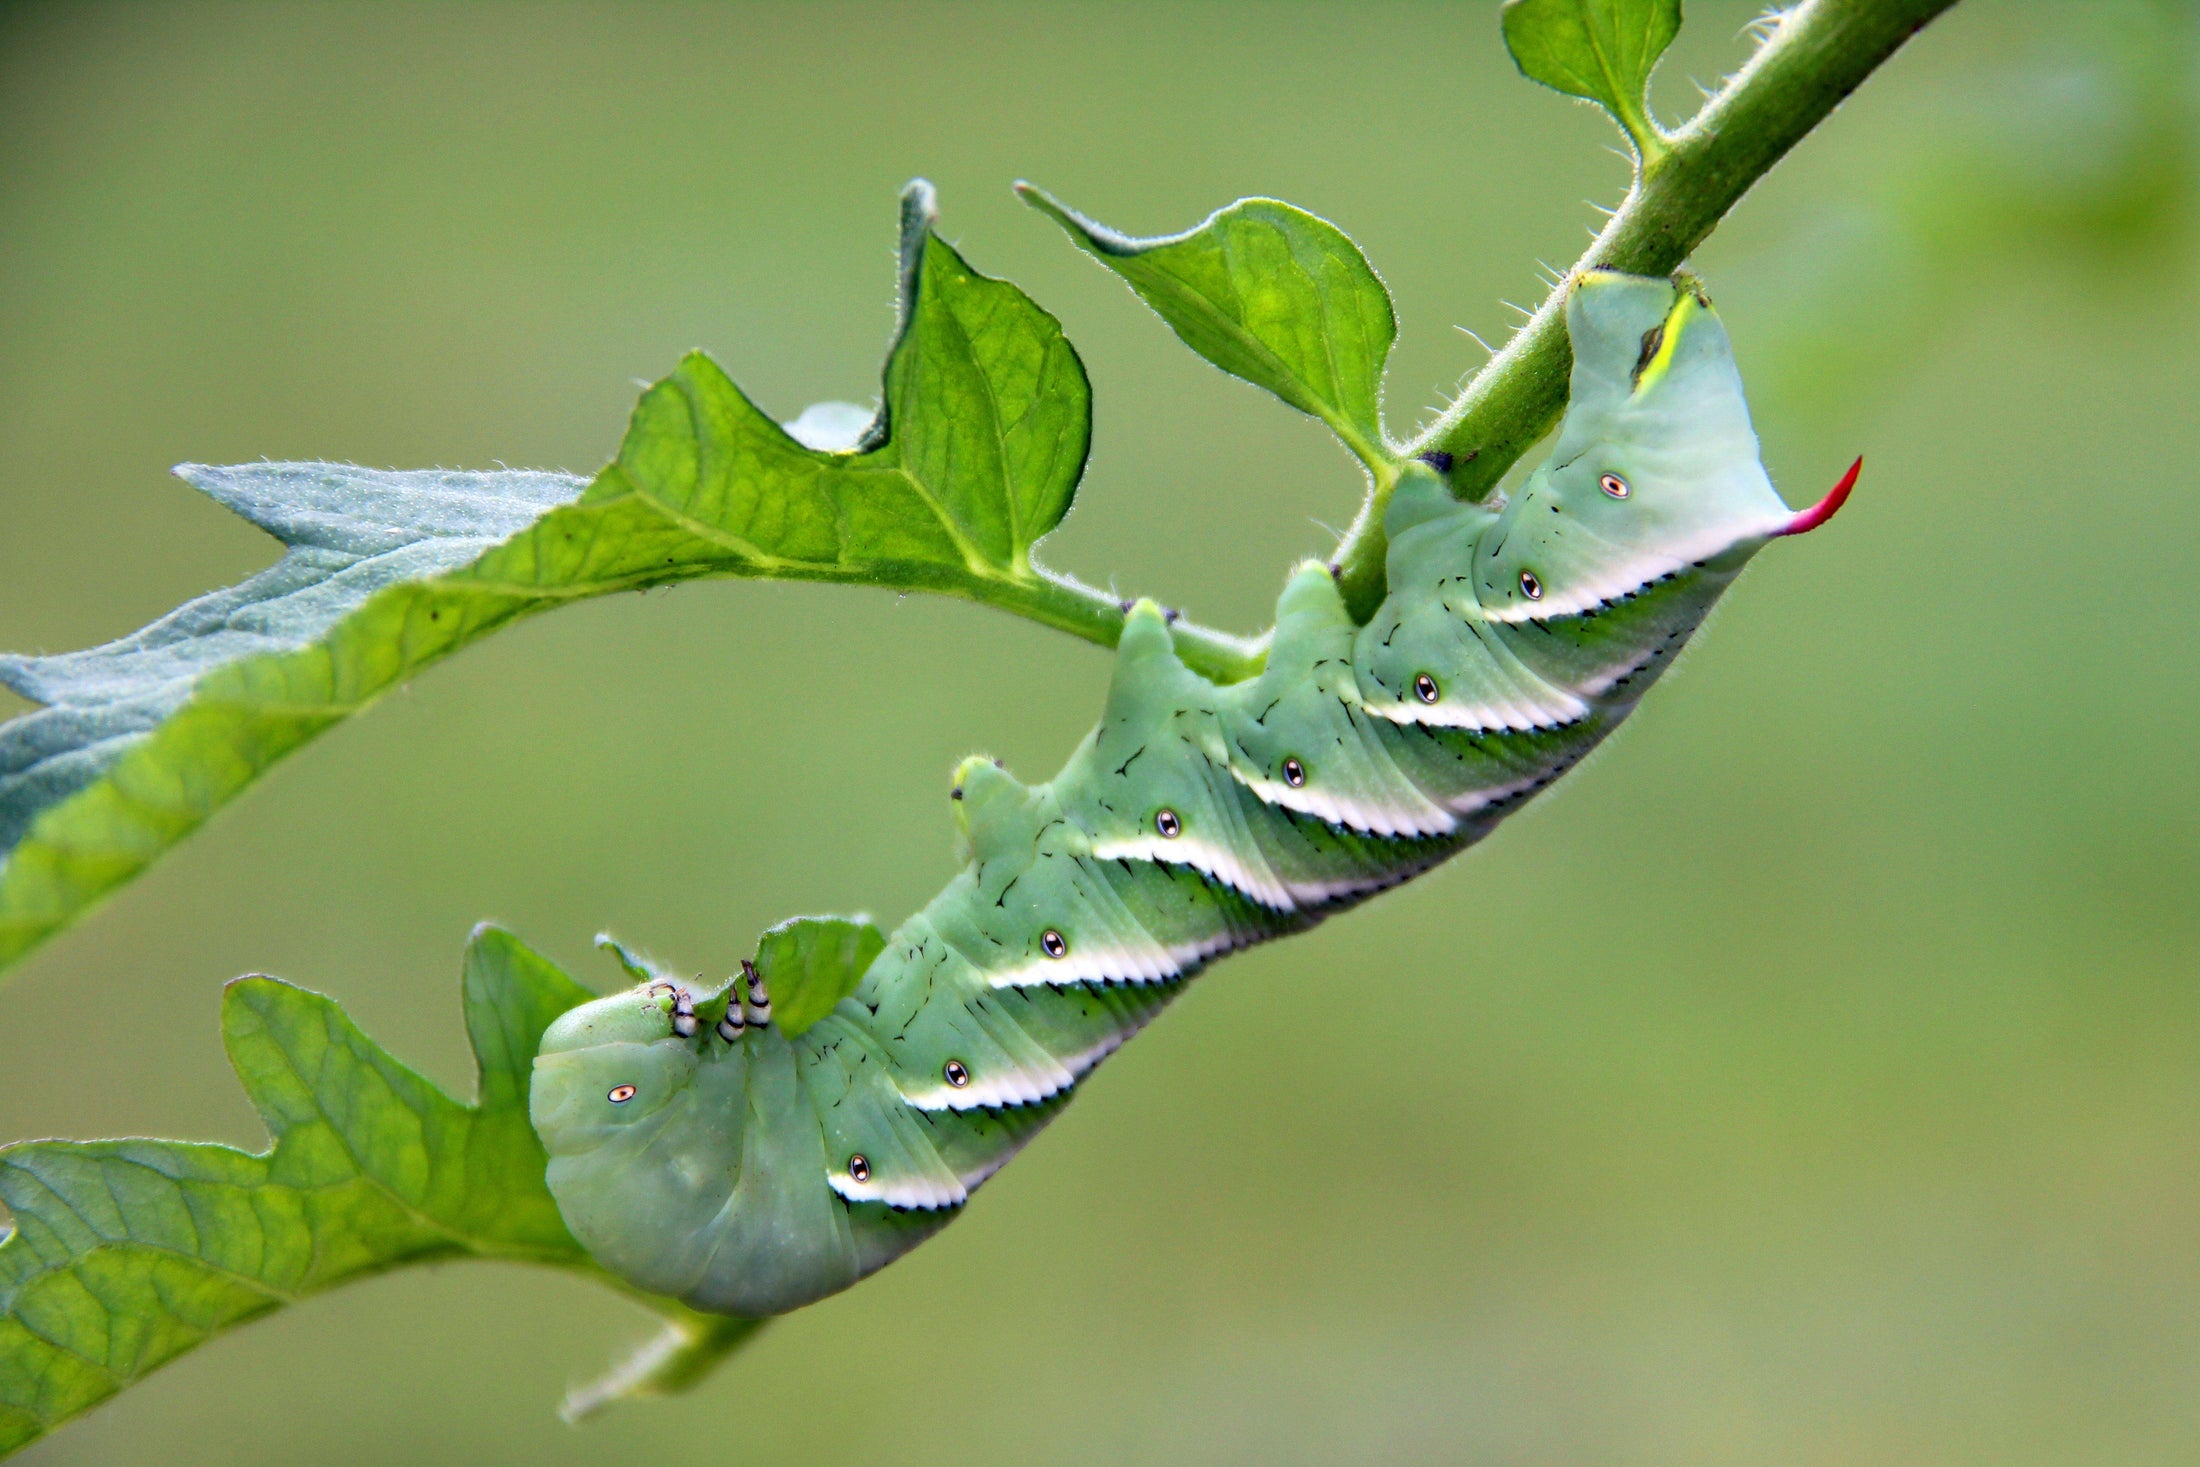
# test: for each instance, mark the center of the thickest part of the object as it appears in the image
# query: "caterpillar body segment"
(700, 1151)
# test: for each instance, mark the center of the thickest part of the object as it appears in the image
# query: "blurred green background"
(1814, 1078)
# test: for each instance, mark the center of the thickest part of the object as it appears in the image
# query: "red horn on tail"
(1826, 508)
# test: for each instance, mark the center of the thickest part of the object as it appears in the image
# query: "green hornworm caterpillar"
(699, 1150)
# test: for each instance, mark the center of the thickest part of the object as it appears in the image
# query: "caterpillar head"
(1655, 470)
(606, 1067)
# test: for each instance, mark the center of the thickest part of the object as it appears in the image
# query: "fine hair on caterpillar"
(702, 1150)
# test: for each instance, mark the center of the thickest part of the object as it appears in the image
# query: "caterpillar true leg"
(733, 1023)
(755, 1176)
(754, 1000)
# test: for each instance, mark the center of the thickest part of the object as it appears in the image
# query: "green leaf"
(125, 1254)
(810, 964)
(974, 456)
(1268, 293)
(1599, 50)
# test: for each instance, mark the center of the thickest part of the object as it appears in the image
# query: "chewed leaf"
(125, 1254)
(1599, 50)
(812, 963)
(1269, 293)
(974, 456)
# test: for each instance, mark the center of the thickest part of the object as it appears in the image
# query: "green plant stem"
(1822, 51)
(688, 1348)
(1069, 605)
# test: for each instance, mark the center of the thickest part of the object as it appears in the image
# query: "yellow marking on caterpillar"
(1683, 309)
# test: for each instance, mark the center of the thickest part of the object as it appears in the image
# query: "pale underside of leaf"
(349, 532)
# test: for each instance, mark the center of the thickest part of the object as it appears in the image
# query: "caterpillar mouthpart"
(1826, 508)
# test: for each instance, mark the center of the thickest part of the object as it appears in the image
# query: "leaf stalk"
(1068, 604)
